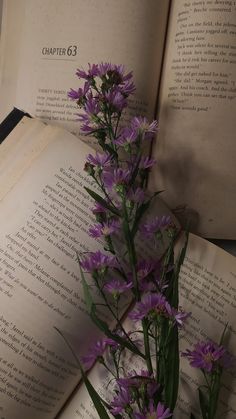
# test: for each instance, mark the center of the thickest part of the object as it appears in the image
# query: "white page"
(39, 280)
(196, 147)
(44, 221)
(130, 33)
(207, 289)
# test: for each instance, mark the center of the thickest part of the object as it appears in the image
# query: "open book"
(44, 221)
(183, 56)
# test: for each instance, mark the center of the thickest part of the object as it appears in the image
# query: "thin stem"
(156, 349)
(114, 314)
(147, 346)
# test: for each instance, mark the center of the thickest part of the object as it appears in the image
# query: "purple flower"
(116, 287)
(116, 179)
(121, 401)
(115, 99)
(127, 88)
(153, 280)
(114, 72)
(94, 353)
(152, 305)
(127, 136)
(93, 71)
(145, 268)
(89, 119)
(143, 128)
(154, 226)
(136, 195)
(98, 209)
(146, 163)
(92, 106)
(103, 68)
(206, 355)
(119, 72)
(104, 229)
(80, 93)
(142, 381)
(100, 160)
(98, 262)
(120, 69)
(180, 316)
(159, 412)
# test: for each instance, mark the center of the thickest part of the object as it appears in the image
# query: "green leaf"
(129, 242)
(95, 398)
(135, 172)
(97, 401)
(101, 324)
(203, 403)
(173, 292)
(172, 369)
(102, 201)
(140, 212)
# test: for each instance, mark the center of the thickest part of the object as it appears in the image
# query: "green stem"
(214, 394)
(147, 346)
(114, 314)
(156, 349)
(131, 249)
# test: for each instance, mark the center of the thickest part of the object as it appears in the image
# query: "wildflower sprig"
(119, 172)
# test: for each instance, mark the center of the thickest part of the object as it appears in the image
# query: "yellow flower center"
(106, 231)
(208, 358)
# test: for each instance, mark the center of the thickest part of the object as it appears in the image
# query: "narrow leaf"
(101, 324)
(203, 403)
(141, 211)
(91, 390)
(172, 370)
(102, 201)
(96, 399)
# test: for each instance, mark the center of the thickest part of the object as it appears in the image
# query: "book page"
(196, 147)
(208, 291)
(44, 221)
(11, 31)
(56, 38)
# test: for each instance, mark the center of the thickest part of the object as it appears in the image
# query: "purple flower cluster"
(119, 172)
(116, 179)
(153, 227)
(116, 287)
(95, 353)
(100, 160)
(154, 306)
(97, 262)
(104, 229)
(106, 88)
(138, 387)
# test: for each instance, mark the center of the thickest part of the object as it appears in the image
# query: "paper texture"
(207, 289)
(196, 146)
(57, 37)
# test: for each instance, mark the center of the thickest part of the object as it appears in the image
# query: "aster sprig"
(119, 172)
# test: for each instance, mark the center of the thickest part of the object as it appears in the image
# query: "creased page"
(44, 224)
(59, 36)
(44, 221)
(196, 148)
(208, 291)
